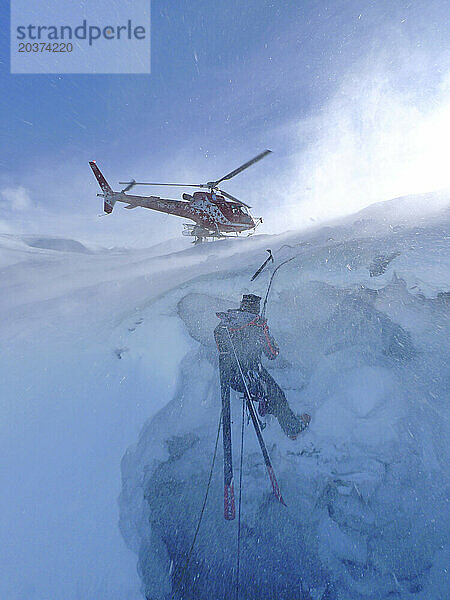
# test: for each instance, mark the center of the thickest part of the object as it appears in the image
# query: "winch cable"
(263, 313)
(238, 557)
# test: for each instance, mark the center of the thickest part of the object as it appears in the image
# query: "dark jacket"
(250, 336)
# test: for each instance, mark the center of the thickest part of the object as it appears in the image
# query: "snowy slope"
(365, 486)
(70, 407)
(96, 341)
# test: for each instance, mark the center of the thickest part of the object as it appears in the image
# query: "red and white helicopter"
(214, 212)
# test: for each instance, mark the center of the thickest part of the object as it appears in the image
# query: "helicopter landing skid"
(199, 233)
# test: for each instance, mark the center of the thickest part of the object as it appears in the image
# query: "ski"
(228, 498)
(262, 445)
(255, 420)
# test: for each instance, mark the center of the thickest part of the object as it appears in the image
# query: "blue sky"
(228, 80)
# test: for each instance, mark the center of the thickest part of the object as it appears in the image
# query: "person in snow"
(244, 332)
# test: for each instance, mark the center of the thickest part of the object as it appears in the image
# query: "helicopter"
(215, 213)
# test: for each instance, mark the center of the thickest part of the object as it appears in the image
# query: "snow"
(58, 244)
(96, 342)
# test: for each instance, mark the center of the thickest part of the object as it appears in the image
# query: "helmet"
(250, 303)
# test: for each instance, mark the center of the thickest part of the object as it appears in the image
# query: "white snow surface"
(95, 342)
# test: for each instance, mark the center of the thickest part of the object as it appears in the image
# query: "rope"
(263, 313)
(238, 558)
(189, 554)
(238, 363)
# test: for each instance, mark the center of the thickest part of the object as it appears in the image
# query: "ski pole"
(262, 445)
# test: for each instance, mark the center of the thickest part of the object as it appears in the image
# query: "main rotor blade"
(201, 185)
(168, 184)
(242, 167)
(230, 197)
